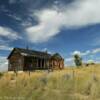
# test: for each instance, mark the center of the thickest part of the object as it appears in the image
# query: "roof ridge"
(37, 51)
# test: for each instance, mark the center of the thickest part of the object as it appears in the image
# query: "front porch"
(35, 63)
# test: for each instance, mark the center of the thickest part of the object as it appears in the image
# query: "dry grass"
(68, 84)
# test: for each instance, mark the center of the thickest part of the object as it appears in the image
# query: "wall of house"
(21, 63)
(32, 63)
(57, 64)
(16, 62)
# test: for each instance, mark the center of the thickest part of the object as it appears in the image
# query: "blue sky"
(64, 26)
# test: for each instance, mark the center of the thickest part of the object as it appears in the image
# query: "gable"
(13, 52)
(27, 52)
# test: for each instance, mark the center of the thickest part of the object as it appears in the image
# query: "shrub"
(1, 74)
(77, 60)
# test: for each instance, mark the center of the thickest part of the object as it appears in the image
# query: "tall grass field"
(69, 84)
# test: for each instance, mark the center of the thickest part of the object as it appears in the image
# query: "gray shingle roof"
(56, 56)
(28, 52)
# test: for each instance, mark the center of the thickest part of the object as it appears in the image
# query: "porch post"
(44, 63)
(41, 63)
(37, 63)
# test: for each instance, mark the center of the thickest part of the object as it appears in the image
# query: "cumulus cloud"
(76, 53)
(88, 56)
(49, 25)
(3, 64)
(8, 33)
(81, 53)
(88, 52)
(44, 49)
(69, 61)
(51, 21)
(90, 61)
(97, 50)
(3, 60)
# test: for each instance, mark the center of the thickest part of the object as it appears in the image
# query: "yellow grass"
(68, 84)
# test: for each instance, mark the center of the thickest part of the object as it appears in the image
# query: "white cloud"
(8, 33)
(44, 49)
(51, 21)
(69, 61)
(12, 1)
(3, 60)
(85, 53)
(26, 24)
(76, 52)
(88, 52)
(97, 50)
(81, 53)
(3, 64)
(5, 47)
(90, 61)
(88, 56)
(15, 17)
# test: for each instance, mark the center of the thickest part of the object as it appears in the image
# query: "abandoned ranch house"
(25, 60)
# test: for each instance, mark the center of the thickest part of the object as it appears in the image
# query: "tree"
(77, 60)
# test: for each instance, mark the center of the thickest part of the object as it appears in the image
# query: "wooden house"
(30, 60)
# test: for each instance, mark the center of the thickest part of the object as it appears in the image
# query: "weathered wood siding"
(57, 64)
(16, 62)
(34, 63)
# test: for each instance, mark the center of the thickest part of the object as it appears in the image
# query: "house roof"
(28, 52)
(56, 56)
